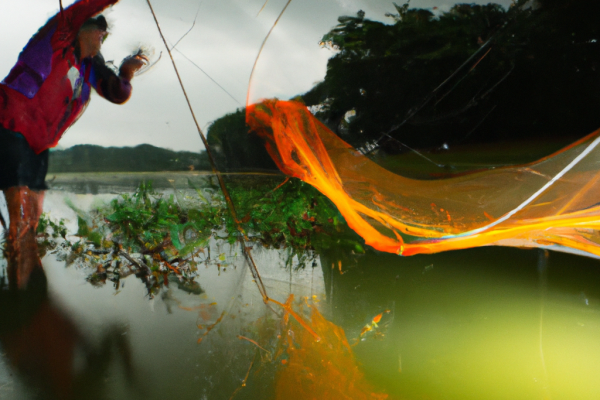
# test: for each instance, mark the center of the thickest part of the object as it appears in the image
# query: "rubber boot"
(24, 210)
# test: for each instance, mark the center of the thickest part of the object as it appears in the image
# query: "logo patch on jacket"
(76, 81)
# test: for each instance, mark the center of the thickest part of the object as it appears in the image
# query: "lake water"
(487, 323)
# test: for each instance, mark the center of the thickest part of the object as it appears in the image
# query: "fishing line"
(262, 47)
(208, 76)
(262, 8)
(196, 65)
(413, 111)
(462, 79)
(230, 205)
(417, 152)
(192, 27)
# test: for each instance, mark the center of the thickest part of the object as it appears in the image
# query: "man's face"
(90, 41)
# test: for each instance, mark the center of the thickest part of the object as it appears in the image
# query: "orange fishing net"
(319, 369)
(552, 203)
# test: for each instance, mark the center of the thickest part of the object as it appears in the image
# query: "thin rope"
(262, 8)
(230, 205)
(208, 76)
(262, 47)
(413, 111)
(191, 27)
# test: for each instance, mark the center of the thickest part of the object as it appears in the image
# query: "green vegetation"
(155, 234)
(51, 229)
(142, 158)
(288, 216)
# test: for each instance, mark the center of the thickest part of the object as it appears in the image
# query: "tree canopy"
(473, 73)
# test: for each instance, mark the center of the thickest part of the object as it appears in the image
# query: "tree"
(533, 71)
(235, 147)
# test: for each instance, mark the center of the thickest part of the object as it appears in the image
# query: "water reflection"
(484, 323)
(189, 340)
(50, 356)
(481, 323)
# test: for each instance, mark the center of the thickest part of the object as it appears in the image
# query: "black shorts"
(19, 165)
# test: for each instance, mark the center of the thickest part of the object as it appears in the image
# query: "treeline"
(142, 158)
(475, 73)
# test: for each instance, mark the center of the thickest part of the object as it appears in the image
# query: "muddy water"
(489, 323)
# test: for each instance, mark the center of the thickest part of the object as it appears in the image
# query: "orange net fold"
(551, 203)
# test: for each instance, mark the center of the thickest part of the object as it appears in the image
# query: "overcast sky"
(224, 43)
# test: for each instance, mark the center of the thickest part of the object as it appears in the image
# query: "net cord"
(230, 205)
(551, 182)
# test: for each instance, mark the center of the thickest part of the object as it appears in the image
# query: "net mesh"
(551, 203)
(324, 369)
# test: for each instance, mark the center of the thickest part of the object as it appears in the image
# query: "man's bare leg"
(24, 210)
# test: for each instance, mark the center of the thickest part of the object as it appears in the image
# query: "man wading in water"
(42, 96)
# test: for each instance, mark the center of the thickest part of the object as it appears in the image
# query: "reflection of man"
(48, 352)
(42, 96)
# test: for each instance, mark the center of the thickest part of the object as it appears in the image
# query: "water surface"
(491, 323)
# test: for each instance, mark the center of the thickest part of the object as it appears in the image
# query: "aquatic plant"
(288, 216)
(152, 234)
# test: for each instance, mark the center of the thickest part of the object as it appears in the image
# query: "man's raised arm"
(115, 88)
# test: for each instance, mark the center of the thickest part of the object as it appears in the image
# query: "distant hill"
(142, 158)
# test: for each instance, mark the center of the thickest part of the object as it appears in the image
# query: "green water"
(488, 323)
(476, 324)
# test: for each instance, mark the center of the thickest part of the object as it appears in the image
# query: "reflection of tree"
(48, 351)
(537, 73)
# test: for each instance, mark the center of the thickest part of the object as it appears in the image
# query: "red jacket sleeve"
(114, 88)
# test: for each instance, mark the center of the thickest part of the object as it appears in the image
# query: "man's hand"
(131, 65)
